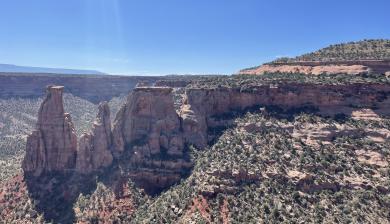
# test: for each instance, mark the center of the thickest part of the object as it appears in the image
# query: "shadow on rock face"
(54, 194)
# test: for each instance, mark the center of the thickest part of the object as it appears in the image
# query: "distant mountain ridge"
(30, 69)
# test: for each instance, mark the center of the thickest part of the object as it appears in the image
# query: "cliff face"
(146, 140)
(204, 109)
(148, 128)
(141, 119)
(149, 139)
(53, 145)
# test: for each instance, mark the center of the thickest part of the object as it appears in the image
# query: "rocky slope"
(369, 56)
(263, 171)
(316, 68)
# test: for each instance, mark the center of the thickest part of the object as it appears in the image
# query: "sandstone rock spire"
(94, 147)
(53, 145)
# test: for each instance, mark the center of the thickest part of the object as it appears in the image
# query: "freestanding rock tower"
(53, 145)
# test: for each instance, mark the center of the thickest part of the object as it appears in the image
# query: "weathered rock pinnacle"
(53, 145)
(94, 147)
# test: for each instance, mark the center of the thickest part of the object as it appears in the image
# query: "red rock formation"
(205, 108)
(148, 139)
(147, 129)
(316, 67)
(149, 119)
(94, 147)
(53, 145)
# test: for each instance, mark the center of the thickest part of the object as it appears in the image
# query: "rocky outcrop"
(53, 145)
(206, 109)
(305, 69)
(317, 67)
(149, 119)
(94, 147)
(146, 139)
(147, 129)
(149, 139)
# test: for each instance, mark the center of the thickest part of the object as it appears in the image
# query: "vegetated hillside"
(351, 51)
(18, 117)
(273, 170)
(362, 57)
(264, 168)
(248, 82)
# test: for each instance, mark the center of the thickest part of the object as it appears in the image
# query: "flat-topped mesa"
(94, 147)
(53, 145)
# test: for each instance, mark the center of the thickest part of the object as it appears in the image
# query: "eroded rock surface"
(149, 139)
(209, 109)
(316, 67)
(148, 134)
(94, 147)
(53, 145)
(149, 118)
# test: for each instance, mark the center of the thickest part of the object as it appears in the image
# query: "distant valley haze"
(8, 68)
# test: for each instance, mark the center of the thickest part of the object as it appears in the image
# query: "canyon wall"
(205, 108)
(90, 87)
(149, 139)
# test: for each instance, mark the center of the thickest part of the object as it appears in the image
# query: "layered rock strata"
(149, 138)
(318, 67)
(90, 87)
(205, 109)
(53, 145)
(149, 128)
(146, 140)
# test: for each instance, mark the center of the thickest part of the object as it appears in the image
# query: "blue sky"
(146, 37)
